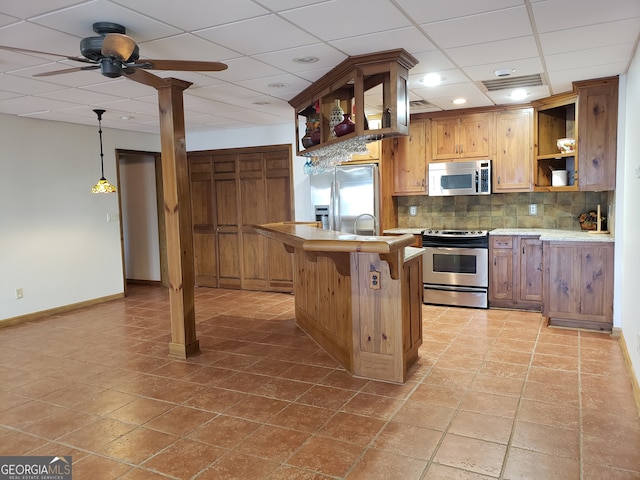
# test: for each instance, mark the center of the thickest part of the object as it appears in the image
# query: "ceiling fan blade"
(184, 65)
(144, 77)
(118, 45)
(38, 52)
(66, 70)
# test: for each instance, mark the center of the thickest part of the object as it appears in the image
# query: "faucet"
(375, 223)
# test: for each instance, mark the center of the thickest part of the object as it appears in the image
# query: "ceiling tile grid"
(465, 41)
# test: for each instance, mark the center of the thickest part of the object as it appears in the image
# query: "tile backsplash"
(502, 210)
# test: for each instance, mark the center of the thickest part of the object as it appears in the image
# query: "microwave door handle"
(477, 181)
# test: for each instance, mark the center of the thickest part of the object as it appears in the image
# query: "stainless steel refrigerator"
(347, 199)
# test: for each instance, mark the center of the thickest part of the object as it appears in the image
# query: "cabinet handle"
(494, 260)
(498, 179)
(461, 150)
(523, 249)
(423, 182)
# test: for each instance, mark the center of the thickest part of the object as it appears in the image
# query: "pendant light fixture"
(103, 186)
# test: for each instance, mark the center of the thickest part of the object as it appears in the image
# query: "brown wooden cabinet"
(381, 78)
(589, 114)
(410, 161)
(513, 163)
(597, 121)
(462, 137)
(232, 190)
(578, 284)
(515, 272)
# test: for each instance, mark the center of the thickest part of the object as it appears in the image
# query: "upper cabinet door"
(464, 137)
(513, 165)
(597, 121)
(410, 161)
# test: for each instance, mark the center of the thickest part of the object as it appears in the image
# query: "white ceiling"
(463, 40)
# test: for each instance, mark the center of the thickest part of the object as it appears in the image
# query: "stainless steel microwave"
(460, 178)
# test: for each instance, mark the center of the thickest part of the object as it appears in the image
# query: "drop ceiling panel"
(439, 11)
(558, 15)
(347, 18)
(591, 36)
(328, 57)
(482, 28)
(494, 52)
(79, 19)
(209, 13)
(412, 41)
(258, 35)
(526, 66)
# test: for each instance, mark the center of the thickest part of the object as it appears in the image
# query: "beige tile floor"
(495, 394)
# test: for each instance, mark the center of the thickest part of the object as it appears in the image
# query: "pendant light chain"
(103, 186)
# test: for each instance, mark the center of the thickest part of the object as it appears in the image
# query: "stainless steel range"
(456, 267)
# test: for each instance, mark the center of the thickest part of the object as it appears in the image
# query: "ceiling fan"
(116, 54)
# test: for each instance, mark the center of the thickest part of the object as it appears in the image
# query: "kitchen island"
(359, 297)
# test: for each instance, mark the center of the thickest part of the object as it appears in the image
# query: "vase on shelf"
(345, 127)
(336, 116)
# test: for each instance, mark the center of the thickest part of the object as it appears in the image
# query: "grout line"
(520, 398)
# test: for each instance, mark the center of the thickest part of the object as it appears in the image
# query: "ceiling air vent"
(421, 104)
(513, 82)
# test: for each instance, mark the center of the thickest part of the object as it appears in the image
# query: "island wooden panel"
(373, 329)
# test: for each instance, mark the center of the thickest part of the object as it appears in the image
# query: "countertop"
(411, 252)
(313, 239)
(547, 234)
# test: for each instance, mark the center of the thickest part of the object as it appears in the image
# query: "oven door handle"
(449, 288)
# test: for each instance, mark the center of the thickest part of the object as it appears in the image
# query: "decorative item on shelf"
(566, 145)
(103, 186)
(335, 117)
(589, 221)
(309, 139)
(345, 127)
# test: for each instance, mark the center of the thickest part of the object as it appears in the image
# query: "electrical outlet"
(533, 209)
(374, 280)
(19, 293)
(113, 217)
(413, 211)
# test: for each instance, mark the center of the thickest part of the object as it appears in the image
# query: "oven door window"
(456, 266)
(455, 263)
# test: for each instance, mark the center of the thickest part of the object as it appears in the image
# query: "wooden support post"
(177, 209)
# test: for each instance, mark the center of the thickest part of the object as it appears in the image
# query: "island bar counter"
(358, 297)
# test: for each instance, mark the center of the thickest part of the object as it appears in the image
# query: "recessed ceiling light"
(518, 94)
(460, 101)
(431, 79)
(261, 103)
(306, 59)
(504, 72)
(277, 85)
(125, 117)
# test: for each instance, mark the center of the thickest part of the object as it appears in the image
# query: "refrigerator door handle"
(332, 219)
(336, 206)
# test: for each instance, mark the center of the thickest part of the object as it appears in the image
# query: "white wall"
(250, 137)
(627, 225)
(55, 241)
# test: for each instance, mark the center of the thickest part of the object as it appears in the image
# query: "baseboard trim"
(31, 317)
(634, 380)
